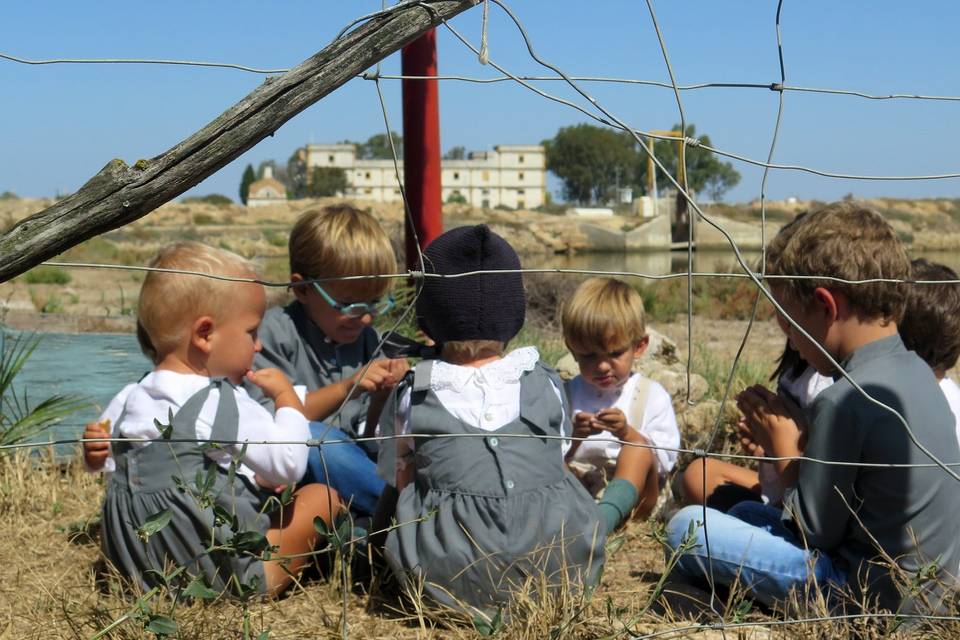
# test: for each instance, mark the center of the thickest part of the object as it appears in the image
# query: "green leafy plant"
(47, 275)
(19, 421)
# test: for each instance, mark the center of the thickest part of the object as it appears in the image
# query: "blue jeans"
(346, 467)
(750, 544)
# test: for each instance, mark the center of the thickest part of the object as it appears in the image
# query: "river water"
(97, 365)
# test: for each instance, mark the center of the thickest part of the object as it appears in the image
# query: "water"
(94, 366)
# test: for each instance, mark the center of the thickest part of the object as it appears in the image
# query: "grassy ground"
(51, 586)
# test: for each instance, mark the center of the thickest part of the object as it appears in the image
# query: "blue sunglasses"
(356, 309)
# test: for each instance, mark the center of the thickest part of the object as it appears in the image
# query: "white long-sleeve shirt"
(160, 392)
(659, 425)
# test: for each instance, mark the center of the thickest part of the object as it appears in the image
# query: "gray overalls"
(493, 510)
(144, 484)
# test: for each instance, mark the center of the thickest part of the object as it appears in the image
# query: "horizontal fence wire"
(608, 119)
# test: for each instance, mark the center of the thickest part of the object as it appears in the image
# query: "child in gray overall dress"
(202, 334)
(491, 511)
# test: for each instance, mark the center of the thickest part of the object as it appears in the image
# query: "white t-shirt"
(805, 387)
(952, 391)
(659, 425)
(160, 392)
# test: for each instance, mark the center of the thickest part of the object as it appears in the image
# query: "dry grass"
(50, 587)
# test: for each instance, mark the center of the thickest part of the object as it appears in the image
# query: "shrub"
(203, 219)
(47, 275)
(456, 197)
(275, 238)
(217, 199)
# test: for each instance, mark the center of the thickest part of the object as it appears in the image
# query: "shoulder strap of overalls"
(638, 403)
(224, 427)
(538, 400)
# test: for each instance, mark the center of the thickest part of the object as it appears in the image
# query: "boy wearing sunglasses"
(324, 341)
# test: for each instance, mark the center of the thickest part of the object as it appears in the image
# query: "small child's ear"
(641, 346)
(299, 292)
(201, 332)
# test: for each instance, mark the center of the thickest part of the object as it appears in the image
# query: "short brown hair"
(169, 302)
(341, 240)
(849, 241)
(603, 313)
(931, 325)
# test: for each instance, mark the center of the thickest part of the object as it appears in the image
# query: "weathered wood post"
(120, 194)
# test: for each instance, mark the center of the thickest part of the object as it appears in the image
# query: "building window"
(520, 175)
(520, 192)
(330, 159)
(358, 174)
(520, 159)
(368, 191)
(456, 175)
(485, 176)
(485, 192)
(396, 192)
(521, 204)
(367, 175)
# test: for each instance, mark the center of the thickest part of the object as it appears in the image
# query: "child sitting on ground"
(723, 484)
(842, 525)
(719, 484)
(323, 340)
(931, 326)
(487, 507)
(604, 329)
(201, 334)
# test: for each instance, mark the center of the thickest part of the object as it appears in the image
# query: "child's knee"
(680, 525)
(319, 498)
(693, 477)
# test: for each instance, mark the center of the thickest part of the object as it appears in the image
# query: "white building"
(514, 176)
(266, 190)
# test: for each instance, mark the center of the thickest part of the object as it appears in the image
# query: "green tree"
(248, 178)
(705, 172)
(377, 147)
(297, 175)
(591, 161)
(456, 153)
(327, 181)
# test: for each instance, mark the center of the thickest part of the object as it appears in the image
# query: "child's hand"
(747, 443)
(95, 454)
(770, 421)
(398, 368)
(276, 386)
(377, 375)
(583, 424)
(614, 421)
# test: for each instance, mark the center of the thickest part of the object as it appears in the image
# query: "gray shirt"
(299, 348)
(913, 514)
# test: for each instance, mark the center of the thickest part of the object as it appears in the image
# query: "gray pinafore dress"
(145, 483)
(485, 514)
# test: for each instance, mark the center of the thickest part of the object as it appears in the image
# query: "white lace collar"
(506, 370)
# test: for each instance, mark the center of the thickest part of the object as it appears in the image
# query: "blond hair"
(169, 302)
(849, 241)
(458, 351)
(341, 240)
(602, 314)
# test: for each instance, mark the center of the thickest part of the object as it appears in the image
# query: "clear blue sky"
(62, 123)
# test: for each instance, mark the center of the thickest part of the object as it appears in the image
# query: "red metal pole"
(421, 143)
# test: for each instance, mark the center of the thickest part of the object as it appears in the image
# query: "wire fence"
(597, 111)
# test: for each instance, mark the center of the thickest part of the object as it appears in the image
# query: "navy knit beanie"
(477, 307)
